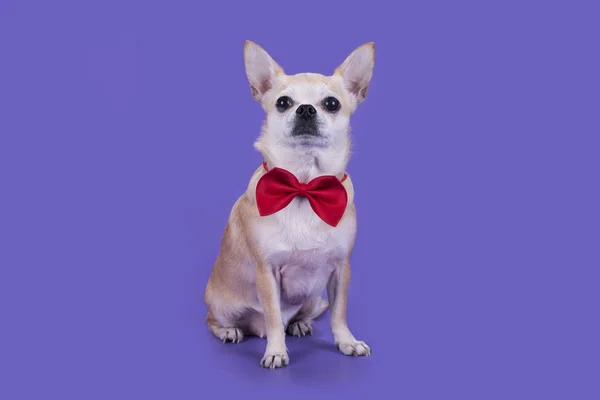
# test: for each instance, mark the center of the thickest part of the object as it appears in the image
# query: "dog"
(290, 235)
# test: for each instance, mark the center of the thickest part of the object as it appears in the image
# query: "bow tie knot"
(302, 189)
(278, 187)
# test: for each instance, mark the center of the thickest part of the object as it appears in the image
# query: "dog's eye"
(331, 104)
(283, 103)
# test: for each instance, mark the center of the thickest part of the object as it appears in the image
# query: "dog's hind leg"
(319, 308)
(226, 334)
(300, 325)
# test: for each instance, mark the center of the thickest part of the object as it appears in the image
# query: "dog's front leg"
(337, 292)
(276, 354)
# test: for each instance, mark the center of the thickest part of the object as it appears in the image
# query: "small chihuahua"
(291, 233)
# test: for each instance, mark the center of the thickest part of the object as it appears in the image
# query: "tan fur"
(259, 255)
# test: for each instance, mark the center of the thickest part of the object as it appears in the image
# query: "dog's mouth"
(305, 133)
(306, 129)
(307, 137)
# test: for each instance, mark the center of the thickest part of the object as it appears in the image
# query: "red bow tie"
(326, 194)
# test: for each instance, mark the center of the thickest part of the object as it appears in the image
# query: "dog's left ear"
(261, 69)
(357, 70)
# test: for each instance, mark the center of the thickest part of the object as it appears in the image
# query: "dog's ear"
(261, 69)
(357, 70)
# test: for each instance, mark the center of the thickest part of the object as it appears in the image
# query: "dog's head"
(308, 115)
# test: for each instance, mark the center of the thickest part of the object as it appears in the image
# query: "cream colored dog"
(272, 269)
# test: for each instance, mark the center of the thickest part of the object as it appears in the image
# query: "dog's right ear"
(261, 69)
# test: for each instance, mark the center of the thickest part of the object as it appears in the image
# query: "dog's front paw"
(299, 328)
(275, 359)
(354, 348)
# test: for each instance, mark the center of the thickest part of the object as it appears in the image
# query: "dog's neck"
(306, 162)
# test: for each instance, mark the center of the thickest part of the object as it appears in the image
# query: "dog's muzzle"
(306, 121)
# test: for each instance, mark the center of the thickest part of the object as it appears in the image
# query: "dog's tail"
(320, 308)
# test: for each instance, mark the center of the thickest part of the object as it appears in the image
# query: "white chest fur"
(298, 228)
(302, 249)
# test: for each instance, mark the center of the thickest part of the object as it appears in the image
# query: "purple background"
(126, 131)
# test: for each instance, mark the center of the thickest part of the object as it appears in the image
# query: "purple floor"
(126, 135)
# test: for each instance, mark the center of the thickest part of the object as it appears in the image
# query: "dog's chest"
(302, 249)
(297, 229)
(302, 274)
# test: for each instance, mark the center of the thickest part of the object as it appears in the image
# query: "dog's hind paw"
(233, 335)
(299, 328)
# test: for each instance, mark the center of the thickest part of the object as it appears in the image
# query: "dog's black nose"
(306, 111)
